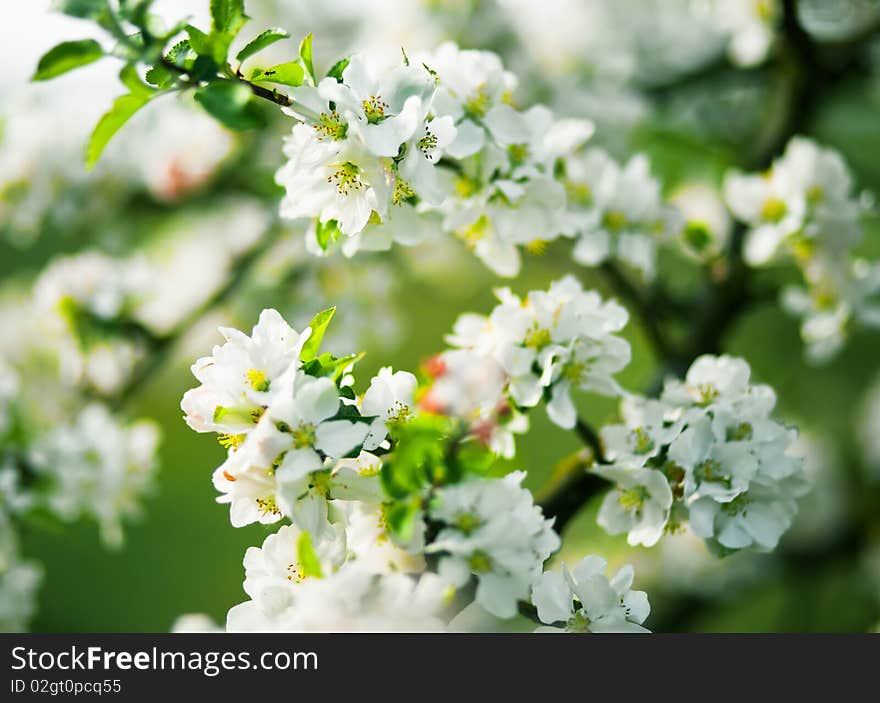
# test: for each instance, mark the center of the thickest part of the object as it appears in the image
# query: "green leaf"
(123, 109)
(337, 68)
(159, 77)
(180, 53)
(231, 104)
(402, 516)
(260, 42)
(66, 57)
(83, 9)
(305, 57)
(305, 555)
(290, 73)
(199, 41)
(227, 16)
(330, 366)
(319, 327)
(131, 80)
(326, 233)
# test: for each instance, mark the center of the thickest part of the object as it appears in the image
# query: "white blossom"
(352, 599)
(237, 378)
(585, 600)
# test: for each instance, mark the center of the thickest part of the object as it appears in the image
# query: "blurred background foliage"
(693, 111)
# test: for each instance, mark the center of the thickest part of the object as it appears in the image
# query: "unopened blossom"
(470, 385)
(750, 26)
(98, 467)
(585, 600)
(492, 530)
(707, 225)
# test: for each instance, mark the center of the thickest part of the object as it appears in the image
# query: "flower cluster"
(387, 515)
(539, 347)
(93, 467)
(294, 431)
(91, 300)
(97, 467)
(803, 208)
(708, 454)
(616, 211)
(366, 159)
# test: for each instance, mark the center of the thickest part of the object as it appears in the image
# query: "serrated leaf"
(290, 73)
(318, 325)
(67, 56)
(307, 558)
(123, 109)
(337, 68)
(180, 53)
(159, 77)
(305, 57)
(231, 104)
(260, 42)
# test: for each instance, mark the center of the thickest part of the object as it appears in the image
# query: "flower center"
(268, 505)
(478, 104)
(304, 436)
(330, 126)
(402, 191)
(374, 108)
(537, 338)
(230, 441)
(475, 232)
(774, 209)
(614, 220)
(295, 573)
(579, 193)
(347, 178)
(257, 380)
(633, 499)
(642, 442)
(467, 522)
(480, 562)
(428, 143)
(707, 392)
